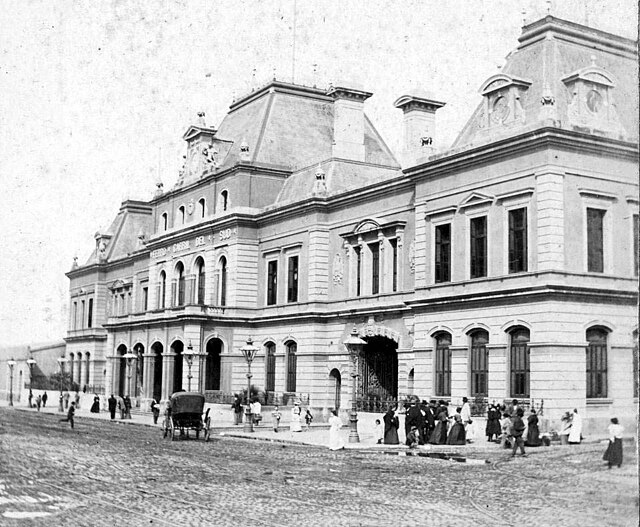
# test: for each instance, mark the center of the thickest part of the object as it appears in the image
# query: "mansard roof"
(551, 54)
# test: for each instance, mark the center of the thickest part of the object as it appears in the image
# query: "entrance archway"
(157, 349)
(122, 370)
(379, 369)
(212, 369)
(335, 387)
(177, 347)
(138, 349)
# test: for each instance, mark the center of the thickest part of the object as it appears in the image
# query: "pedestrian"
(296, 418)
(127, 407)
(378, 432)
(65, 399)
(155, 410)
(335, 438)
(256, 411)
(275, 418)
(44, 399)
(575, 434)
(613, 454)
(391, 424)
(308, 419)
(95, 407)
(237, 410)
(439, 434)
(38, 402)
(70, 415)
(112, 404)
(121, 407)
(492, 431)
(77, 401)
(533, 433)
(412, 418)
(413, 437)
(465, 414)
(30, 398)
(565, 428)
(457, 434)
(505, 431)
(430, 419)
(517, 429)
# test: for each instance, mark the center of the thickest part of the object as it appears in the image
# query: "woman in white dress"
(575, 434)
(296, 418)
(335, 438)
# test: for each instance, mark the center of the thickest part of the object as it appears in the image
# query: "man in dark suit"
(112, 406)
(413, 418)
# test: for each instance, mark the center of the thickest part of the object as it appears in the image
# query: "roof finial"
(253, 79)
(549, 7)
(315, 74)
(524, 16)
(274, 73)
(201, 121)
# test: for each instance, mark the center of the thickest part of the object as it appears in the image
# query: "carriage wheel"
(172, 431)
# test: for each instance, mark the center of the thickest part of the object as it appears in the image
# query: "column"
(167, 373)
(147, 375)
(497, 366)
(459, 373)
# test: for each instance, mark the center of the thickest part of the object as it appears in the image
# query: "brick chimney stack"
(348, 122)
(419, 130)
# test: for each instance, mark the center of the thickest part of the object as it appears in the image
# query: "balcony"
(186, 311)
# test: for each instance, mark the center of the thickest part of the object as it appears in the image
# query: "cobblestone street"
(111, 473)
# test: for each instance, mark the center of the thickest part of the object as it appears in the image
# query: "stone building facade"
(504, 267)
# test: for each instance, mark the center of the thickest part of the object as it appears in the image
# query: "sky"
(95, 97)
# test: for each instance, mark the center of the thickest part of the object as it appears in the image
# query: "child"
(379, 432)
(70, 414)
(308, 418)
(276, 416)
(413, 438)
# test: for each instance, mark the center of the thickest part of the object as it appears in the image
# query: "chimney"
(419, 130)
(348, 122)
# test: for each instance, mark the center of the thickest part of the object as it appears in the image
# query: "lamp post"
(129, 357)
(31, 362)
(354, 346)
(189, 354)
(61, 361)
(249, 352)
(11, 363)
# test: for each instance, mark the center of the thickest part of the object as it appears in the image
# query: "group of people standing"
(428, 423)
(506, 426)
(123, 404)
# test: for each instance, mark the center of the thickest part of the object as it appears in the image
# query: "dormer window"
(503, 103)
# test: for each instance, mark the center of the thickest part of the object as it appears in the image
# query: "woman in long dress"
(391, 424)
(296, 418)
(613, 454)
(493, 423)
(439, 434)
(456, 434)
(335, 437)
(95, 407)
(533, 433)
(575, 434)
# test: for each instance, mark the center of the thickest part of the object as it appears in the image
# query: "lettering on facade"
(374, 330)
(199, 241)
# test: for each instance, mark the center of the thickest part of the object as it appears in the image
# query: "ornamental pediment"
(502, 81)
(474, 199)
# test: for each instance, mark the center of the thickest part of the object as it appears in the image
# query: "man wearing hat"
(413, 418)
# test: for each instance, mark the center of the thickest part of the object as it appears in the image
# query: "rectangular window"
(635, 244)
(518, 241)
(358, 270)
(595, 240)
(394, 249)
(519, 370)
(443, 253)
(443, 371)
(597, 370)
(479, 370)
(478, 249)
(145, 298)
(292, 282)
(375, 268)
(81, 313)
(74, 314)
(272, 282)
(90, 314)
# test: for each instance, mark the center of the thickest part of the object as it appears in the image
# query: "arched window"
(164, 221)
(443, 364)
(222, 268)
(292, 366)
(181, 216)
(181, 284)
(479, 362)
(270, 354)
(519, 362)
(336, 381)
(87, 369)
(596, 363)
(162, 290)
(224, 200)
(202, 207)
(410, 382)
(201, 281)
(71, 359)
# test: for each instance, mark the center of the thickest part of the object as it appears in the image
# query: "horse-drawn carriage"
(184, 413)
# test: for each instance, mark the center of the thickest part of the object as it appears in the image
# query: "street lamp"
(189, 354)
(354, 346)
(61, 361)
(11, 363)
(129, 357)
(249, 351)
(31, 362)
